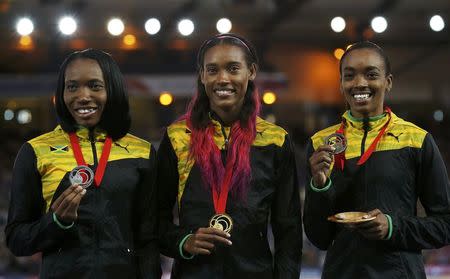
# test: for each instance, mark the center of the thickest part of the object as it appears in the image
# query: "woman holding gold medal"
(366, 175)
(83, 194)
(226, 169)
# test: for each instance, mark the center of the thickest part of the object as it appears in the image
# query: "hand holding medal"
(320, 163)
(220, 225)
(81, 177)
(66, 205)
(204, 241)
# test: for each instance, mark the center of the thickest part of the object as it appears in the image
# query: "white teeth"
(361, 97)
(224, 92)
(85, 111)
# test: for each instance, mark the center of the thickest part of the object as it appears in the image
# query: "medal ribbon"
(220, 199)
(340, 158)
(103, 159)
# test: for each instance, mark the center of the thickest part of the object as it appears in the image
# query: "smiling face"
(85, 91)
(225, 75)
(364, 82)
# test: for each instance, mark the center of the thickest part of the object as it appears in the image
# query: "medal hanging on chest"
(83, 174)
(221, 220)
(339, 142)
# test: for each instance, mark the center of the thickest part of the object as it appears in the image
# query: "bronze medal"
(338, 141)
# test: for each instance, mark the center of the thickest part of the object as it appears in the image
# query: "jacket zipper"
(363, 142)
(94, 225)
(225, 136)
(94, 150)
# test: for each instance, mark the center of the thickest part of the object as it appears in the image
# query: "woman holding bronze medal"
(226, 169)
(366, 175)
(83, 194)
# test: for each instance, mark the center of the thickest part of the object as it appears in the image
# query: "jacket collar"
(376, 122)
(218, 124)
(83, 133)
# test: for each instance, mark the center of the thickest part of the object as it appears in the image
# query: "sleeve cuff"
(327, 186)
(180, 248)
(61, 225)
(389, 235)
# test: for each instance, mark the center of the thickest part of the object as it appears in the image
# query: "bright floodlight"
(24, 116)
(223, 25)
(24, 26)
(186, 27)
(379, 24)
(152, 26)
(437, 23)
(115, 26)
(338, 24)
(67, 25)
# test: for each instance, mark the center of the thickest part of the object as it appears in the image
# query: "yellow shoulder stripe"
(179, 136)
(400, 134)
(55, 157)
(268, 133)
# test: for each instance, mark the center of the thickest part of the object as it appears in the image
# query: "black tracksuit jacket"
(406, 166)
(273, 190)
(115, 235)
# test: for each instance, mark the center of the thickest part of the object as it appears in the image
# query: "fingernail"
(366, 216)
(83, 192)
(229, 242)
(228, 235)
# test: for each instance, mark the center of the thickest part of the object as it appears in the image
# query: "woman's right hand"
(320, 162)
(203, 241)
(66, 205)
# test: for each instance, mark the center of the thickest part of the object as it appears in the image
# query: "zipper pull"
(91, 136)
(225, 137)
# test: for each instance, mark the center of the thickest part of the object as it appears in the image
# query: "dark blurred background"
(299, 44)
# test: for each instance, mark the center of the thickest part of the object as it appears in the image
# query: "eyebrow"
(368, 68)
(373, 68)
(229, 63)
(91, 80)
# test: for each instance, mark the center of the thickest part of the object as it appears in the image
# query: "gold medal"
(222, 222)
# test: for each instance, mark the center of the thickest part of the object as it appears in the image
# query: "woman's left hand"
(376, 229)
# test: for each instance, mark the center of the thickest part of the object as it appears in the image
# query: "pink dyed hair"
(208, 156)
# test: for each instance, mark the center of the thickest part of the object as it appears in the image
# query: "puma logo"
(396, 137)
(124, 147)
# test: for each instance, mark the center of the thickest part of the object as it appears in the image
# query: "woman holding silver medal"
(83, 194)
(226, 169)
(366, 175)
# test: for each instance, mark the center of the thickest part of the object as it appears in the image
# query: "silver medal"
(81, 175)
